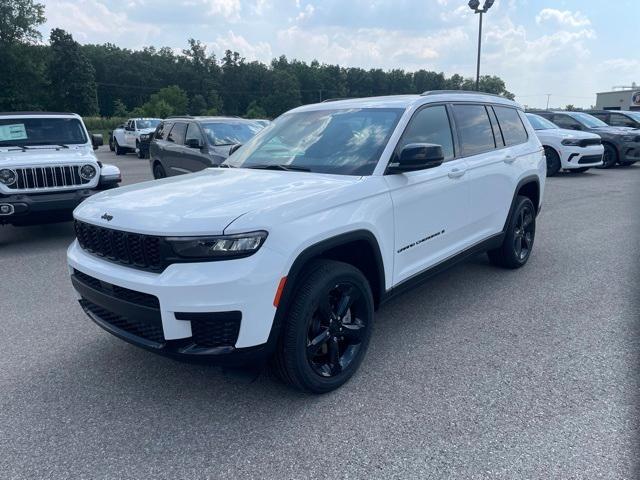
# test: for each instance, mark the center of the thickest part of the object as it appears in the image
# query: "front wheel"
(158, 171)
(553, 161)
(328, 328)
(518, 241)
(610, 157)
(118, 148)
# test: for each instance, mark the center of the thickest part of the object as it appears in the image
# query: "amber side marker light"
(276, 299)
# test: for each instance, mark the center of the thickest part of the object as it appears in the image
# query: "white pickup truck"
(127, 139)
(47, 167)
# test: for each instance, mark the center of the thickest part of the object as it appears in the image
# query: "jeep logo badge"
(107, 217)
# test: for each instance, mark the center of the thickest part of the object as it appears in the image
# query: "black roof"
(34, 113)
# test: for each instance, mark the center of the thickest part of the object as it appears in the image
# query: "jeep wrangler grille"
(48, 177)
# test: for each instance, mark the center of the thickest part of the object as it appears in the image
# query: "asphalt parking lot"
(479, 373)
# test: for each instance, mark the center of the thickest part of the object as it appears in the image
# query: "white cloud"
(563, 17)
(306, 13)
(229, 9)
(251, 51)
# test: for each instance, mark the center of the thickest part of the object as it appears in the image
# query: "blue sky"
(568, 48)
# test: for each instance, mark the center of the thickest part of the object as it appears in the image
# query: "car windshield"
(588, 120)
(231, 133)
(344, 142)
(540, 123)
(41, 131)
(144, 124)
(634, 115)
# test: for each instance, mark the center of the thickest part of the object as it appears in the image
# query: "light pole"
(475, 6)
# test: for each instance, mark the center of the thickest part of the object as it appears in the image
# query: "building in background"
(621, 98)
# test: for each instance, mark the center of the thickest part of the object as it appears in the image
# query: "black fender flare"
(524, 181)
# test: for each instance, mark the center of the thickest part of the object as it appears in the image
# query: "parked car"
(112, 145)
(621, 145)
(47, 167)
(128, 139)
(568, 150)
(313, 224)
(189, 144)
(617, 118)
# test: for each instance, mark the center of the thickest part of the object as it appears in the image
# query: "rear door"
(430, 206)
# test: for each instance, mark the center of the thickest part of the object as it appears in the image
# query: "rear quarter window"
(513, 130)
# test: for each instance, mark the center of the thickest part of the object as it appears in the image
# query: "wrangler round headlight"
(218, 247)
(88, 172)
(7, 176)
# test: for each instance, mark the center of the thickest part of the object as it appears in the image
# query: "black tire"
(138, 150)
(119, 149)
(626, 164)
(315, 353)
(158, 171)
(610, 157)
(111, 146)
(579, 170)
(518, 241)
(553, 161)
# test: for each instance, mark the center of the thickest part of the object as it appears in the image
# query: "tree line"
(108, 80)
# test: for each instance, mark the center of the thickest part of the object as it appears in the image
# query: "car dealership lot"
(528, 373)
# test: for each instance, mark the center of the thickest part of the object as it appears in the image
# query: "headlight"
(630, 138)
(223, 246)
(87, 172)
(571, 142)
(7, 177)
(144, 137)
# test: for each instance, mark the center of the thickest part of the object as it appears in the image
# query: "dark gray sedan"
(190, 144)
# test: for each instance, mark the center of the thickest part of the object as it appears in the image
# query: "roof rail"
(466, 92)
(181, 116)
(337, 99)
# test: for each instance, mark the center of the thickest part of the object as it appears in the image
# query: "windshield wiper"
(50, 144)
(225, 165)
(24, 149)
(279, 166)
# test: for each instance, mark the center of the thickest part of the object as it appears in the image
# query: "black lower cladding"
(590, 159)
(135, 317)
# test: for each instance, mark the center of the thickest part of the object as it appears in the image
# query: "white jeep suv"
(47, 167)
(286, 250)
(565, 149)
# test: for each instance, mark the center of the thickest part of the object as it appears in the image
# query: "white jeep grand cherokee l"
(47, 167)
(313, 224)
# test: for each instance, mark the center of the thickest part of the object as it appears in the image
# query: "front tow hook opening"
(6, 209)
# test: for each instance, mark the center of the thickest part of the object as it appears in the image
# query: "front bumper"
(630, 152)
(23, 209)
(218, 311)
(581, 157)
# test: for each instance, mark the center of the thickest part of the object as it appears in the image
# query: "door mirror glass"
(417, 156)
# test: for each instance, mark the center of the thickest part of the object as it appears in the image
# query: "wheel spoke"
(518, 245)
(352, 332)
(527, 221)
(527, 240)
(317, 342)
(334, 356)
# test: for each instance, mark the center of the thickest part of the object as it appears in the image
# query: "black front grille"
(587, 142)
(48, 177)
(219, 329)
(590, 159)
(132, 249)
(149, 331)
(139, 298)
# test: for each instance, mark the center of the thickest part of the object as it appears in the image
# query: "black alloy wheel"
(336, 330)
(610, 157)
(158, 171)
(553, 161)
(524, 233)
(517, 245)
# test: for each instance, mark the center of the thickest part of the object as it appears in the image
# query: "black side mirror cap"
(96, 140)
(234, 149)
(417, 156)
(193, 143)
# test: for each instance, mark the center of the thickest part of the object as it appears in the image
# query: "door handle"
(509, 159)
(456, 173)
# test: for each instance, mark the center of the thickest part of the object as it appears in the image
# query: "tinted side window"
(193, 132)
(162, 130)
(618, 120)
(177, 133)
(474, 128)
(601, 116)
(565, 121)
(511, 125)
(430, 125)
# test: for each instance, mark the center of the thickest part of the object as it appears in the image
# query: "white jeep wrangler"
(47, 167)
(313, 224)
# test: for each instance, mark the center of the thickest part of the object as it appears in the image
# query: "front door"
(430, 206)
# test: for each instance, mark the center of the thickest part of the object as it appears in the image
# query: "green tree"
(19, 20)
(71, 76)
(119, 108)
(285, 93)
(167, 101)
(255, 111)
(197, 105)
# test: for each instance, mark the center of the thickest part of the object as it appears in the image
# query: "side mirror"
(234, 149)
(96, 140)
(193, 143)
(576, 127)
(417, 156)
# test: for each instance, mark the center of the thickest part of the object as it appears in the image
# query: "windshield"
(634, 115)
(41, 131)
(220, 134)
(345, 142)
(540, 123)
(143, 124)
(588, 120)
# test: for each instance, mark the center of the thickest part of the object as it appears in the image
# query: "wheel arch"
(528, 187)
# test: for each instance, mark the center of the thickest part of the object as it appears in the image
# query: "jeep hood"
(203, 203)
(35, 156)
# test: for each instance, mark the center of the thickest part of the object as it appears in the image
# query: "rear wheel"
(118, 148)
(111, 146)
(610, 157)
(328, 328)
(158, 171)
(518, 241)
(553, 161)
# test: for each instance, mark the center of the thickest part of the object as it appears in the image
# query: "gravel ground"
(478, 373)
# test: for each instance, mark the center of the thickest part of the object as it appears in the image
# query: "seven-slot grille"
(131, 249)
(48, 177)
